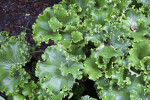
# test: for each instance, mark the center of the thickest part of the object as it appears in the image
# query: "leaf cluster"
(106, 41)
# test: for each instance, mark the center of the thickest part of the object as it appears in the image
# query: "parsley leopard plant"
(106, 41)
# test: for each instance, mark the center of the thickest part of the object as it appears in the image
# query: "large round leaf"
(58, 70)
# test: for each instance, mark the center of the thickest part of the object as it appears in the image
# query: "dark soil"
(17, 16)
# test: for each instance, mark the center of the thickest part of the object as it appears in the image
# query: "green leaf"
(137, 88)
(120, 45)
(142, 32)
(99, 16)
(75, 7)
(1, 98)
(56, 71)
(144, 2)
(133, 15)
(105, 92)
(77, 36)
(60, 13)
(94, 33)
(122, 5)
(104, 54)
(15, 51)
(77, 51)
(41, 93)
(148, 91)
(91, 68)
(29, 90)
(131, 18)
(69, 28)
(12, 78)
(102, 3)
(118, 73)
(108, 89)
(96, 39)
(54, 24)
(51, 24)
(66, 40)
(119, 39)
(138, 52)
(18, 97)
(41, 29)
(13, 54)
(4, 35)
(65, 16)
(72, 67)
(84, 4)
(86, 97)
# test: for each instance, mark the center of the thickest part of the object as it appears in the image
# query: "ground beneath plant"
(17, 16)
